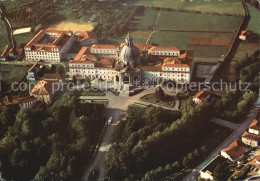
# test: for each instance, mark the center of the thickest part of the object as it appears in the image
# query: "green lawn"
(173, 4)
(224, 6)
(196, 22)
(181, 39)
(255, 19)
(24, 38)
(3, 37)
(244, 50)
(167, 101)
(146, 20)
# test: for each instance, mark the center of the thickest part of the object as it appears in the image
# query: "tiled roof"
(140, 46)
(254, 122)
(176, 65)
(201, 94)
(160, 48)
(97, 46)
(85, 35)
(43, 88)
(37, 42)
(22, 100)
(235, 150)
(155, 68)
(52, 77)
(251, 136)
(5, 52)
(81, 53)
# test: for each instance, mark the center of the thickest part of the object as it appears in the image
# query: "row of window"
(103, 51)
(175, 69)
(165, 53)
(82, 65)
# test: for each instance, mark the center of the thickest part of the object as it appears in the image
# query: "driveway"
(116, 108)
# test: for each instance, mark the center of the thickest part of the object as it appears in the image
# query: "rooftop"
(255, 125)
(49, 39)
(86, 35)
(251, 136)
(43, 87)
(201, 94)
(160, 48)
(235, 150)
(97, 46)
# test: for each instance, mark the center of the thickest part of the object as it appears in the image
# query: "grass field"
(173, 4)
(146, 20)
(255, 19)
(181, 39)
(244, 50)
(196, 22)
(3, 37)
(224, 6)
(25, 38)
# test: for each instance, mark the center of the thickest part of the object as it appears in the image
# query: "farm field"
(173, 4)
(181, 39)
(254, 20)
(208, 53)
(224, 6)
(146, 20)
(3, 37)
(170, 20)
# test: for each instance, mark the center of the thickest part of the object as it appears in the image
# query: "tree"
(220, 172)
(159, 92)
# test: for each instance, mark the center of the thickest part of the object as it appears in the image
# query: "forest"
(50, 142)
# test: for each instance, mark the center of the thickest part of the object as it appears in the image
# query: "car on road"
(109, 120)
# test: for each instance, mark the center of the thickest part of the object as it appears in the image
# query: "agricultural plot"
(254, 20)
(224, 6)
(173, 4)
(181, 39)
(172, 20)
(146, 20)
(208, 53)
(3, 37)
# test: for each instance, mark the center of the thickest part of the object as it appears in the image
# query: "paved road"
(227, 124)
(117, 107)
(251, 116)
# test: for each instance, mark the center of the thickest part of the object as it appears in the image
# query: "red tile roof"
(113, 47)
(43, 88)
(160, 48)
(176, 65)
(5, 52)
(201, 94)
(36, 42)
(85, 35)
(22, 100)
(52, 77)
(235, 150)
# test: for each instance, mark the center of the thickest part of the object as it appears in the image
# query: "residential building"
(235, 151)
(44, 91)
(164, 51)
(24, 102)
(244, 34)
(105, 51)
(87, 38)
(252, 137)
(201, 96)
(49, 45)
(207, 172)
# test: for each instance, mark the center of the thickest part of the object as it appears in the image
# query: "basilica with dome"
(131, 65)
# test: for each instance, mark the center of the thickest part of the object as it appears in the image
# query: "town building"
(44, 91)
(127, 68)
(24, 102)
(52, 77)
(252, 137)
(207, 172)
(235, 151)
(201, 96)
(49, 46)
(87, 38)
(244, 35)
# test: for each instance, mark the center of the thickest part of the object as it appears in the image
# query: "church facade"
(132, 65)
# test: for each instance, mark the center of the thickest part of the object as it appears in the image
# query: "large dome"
(129, 54)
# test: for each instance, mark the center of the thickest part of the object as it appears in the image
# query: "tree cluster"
(153, 137)
(51, 142)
